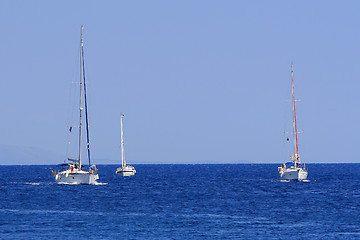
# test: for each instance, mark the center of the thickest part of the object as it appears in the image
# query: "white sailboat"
(293, 170)
(73, 171)
(125, 170)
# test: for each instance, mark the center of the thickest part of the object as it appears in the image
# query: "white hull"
(126, 171)
(294, 174)
(76, 177)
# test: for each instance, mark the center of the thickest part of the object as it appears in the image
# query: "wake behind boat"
(293, 170)
(125, 170)
(73, 171)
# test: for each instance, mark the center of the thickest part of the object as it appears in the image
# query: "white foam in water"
(33, 183)
(96, 183)
(285, 180)
(39, 183)
(65, 183)
(100, 183)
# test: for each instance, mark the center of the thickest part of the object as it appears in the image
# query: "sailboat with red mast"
(293, 170)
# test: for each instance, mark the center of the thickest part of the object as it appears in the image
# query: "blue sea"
(230, 201)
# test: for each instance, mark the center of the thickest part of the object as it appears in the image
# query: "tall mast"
(123, 164)
(86, 107)
(296, 146)
(81, 83)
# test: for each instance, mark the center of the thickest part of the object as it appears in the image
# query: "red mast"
(295, 125)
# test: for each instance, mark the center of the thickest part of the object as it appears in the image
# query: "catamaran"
(125, 170)
(293, 170)
(72, 172)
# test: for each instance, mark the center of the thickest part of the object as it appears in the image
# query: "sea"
(165, 201)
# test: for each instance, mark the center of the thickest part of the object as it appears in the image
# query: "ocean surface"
(234, 201)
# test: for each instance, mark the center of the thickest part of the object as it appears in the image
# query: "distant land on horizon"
(21, 155)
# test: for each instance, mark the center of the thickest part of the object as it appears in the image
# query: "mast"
(296, 146)
(86, 112)
(123, 164)
(81, 83)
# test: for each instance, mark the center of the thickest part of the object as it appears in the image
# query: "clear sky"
(198, 81)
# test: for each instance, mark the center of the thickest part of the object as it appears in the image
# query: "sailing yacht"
(125, 170)
(293, 170)
(73, 172)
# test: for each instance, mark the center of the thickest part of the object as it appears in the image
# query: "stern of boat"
(303, 173)
(79, 177)
(127, 171)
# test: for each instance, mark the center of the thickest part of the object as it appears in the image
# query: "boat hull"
(79, 177)
(126, 171)
(294, 174)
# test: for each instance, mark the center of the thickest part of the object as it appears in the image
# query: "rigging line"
(286, 120)
(86, 113)
(71, 113)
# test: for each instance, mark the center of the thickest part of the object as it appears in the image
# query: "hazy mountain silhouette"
(20, 155)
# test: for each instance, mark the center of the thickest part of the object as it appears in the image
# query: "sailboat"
(125, 170)
(73, 172)
(293, 170)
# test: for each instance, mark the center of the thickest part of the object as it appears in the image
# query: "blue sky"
(198, 81)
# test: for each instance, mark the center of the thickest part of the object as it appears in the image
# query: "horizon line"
(179, 164)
